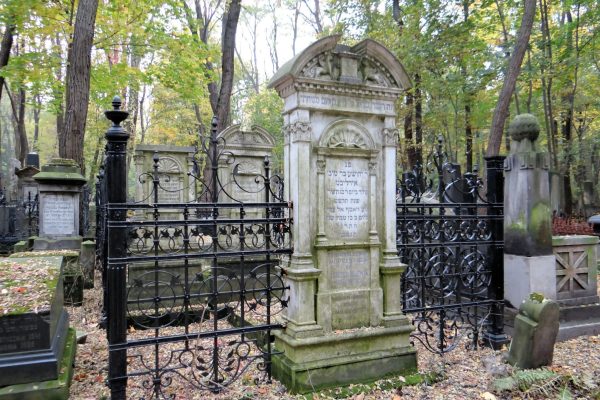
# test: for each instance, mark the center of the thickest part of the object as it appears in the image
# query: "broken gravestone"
(536, 328)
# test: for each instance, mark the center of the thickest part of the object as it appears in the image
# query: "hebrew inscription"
(346, 199)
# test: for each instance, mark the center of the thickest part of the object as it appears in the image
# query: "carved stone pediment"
(365, 70)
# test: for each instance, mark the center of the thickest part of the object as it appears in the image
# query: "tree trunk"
(7, 42)
(37, 109)
(418, 120)
(230, 22)
(20, 132)
(510, 80)
(70, 139)
(408, 132)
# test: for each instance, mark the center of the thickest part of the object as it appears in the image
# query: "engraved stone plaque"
(346, 199)
(24, 332)
(170, 189)
(350, 309)
(348, 269)
(58, 214)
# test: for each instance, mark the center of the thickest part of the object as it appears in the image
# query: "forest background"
(175, 63)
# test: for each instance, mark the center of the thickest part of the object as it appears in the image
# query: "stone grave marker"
(536, 328)
(59, 185)
(343, 320)
(528, 259)
(175, 185)
(242, 165)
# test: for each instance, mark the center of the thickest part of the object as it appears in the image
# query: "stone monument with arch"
(344, 321)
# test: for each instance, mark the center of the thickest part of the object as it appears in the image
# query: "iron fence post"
(494, 335)
(116, 182)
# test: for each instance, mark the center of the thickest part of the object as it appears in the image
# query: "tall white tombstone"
(344, 319)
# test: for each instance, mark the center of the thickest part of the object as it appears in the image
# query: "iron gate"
(191, 288)
(451, 239)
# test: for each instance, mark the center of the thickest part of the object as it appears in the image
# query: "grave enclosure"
(307, 276)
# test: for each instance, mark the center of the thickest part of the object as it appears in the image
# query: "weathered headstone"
(536, 328)
(344, 321)
(528, 259)
(175, 185)
(242, 165)
(60, 185)
(27, 186)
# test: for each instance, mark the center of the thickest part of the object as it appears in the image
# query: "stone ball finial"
(524, 126)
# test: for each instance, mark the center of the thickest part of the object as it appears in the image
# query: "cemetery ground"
(464, 373)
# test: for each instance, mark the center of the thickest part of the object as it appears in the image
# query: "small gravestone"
(87, 259)
(175, 185)
(60, 185)
(242, 166)
(536, 328)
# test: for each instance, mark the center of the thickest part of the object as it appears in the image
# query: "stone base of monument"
(525, 275)
(353, 356)
(582, 320)
(66, 243)
(54, 389)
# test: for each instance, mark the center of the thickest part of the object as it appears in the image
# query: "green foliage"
(545, 383)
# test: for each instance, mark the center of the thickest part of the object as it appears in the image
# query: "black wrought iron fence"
(192, 289)
(451, 239)
(18, 221)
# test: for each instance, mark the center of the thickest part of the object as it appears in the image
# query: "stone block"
(32, 341)
(54, 389)
(576, 269)
(535, 332)
(87, 261)
(524, 275)
(311, 364)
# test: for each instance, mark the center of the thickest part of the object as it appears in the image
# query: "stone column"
(391, 268)
(528, 259)
(301, 272)
(59, 185)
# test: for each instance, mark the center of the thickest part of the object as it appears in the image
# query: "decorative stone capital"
(298, 131)
(524, 126)
(390, 136)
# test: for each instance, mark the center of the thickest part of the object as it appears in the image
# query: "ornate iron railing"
(192, 289)
(451, 239)
(18, 221)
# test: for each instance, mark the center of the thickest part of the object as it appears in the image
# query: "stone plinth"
(59, 186)
(344, 321)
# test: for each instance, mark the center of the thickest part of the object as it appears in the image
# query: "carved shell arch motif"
(347, 134)
(168, 165)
